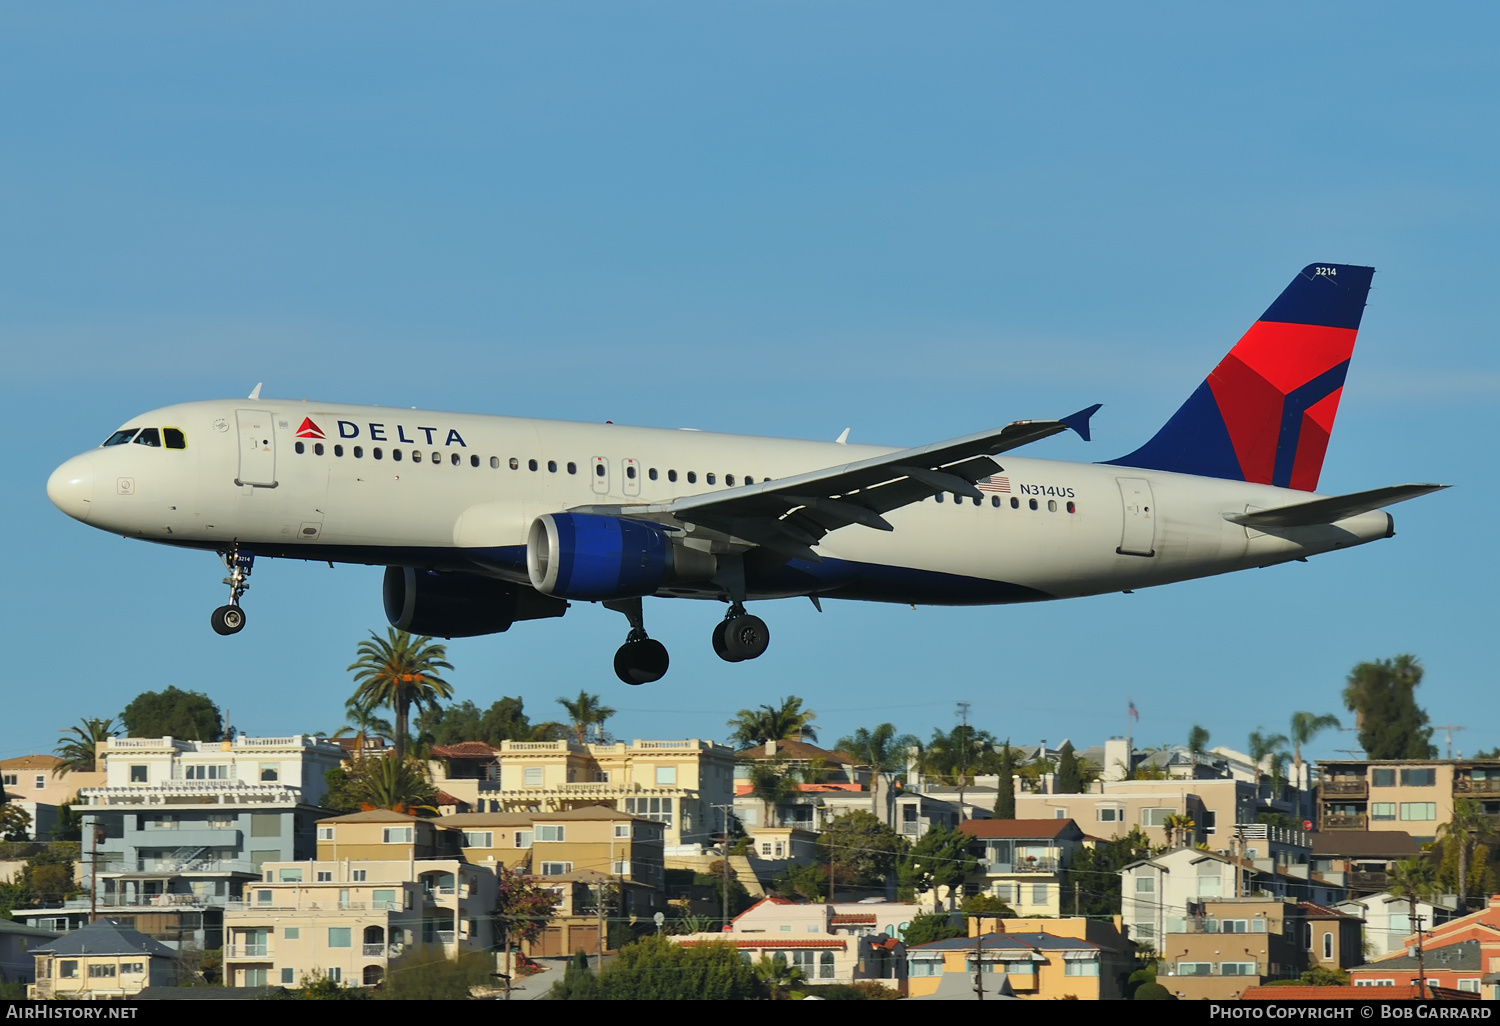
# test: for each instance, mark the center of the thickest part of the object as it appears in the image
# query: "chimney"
(770, 749)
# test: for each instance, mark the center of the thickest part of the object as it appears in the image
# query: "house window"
(292, 933)
(1400, 922)
(396, 835)
(288, 976)
(101, 972)
(1382, 810)
(383, 899)
(1039, 894)
(1195, 968)
(132, 968)
(339, 936)
(1238, 969)
(1145, 932)
(523, 838)
(479, 838)
(1234, 926)
(666, 775)
(138, 774)
(925, 967)
(1078, 967)
(1156, 817)
(1110, 814)
(1469, 986)
(270, 772)
(41, 781)
(263, 897)
(325, 833)
(533, 776)
(336, 974)
(67, 970)
(1145, 885)
(1006, 892)
(1210, 886)
(1327, 945)
(621, 868)
(325, 876)
(1419, 811)
(1209, 821)
(206, 772)
(825, 966)
(359, 875)
(622, 830)
(556, 868)
(291, 876)
(551, 832)
(658, 809)
(1382, 778)
(1419, 777)
(255, 977)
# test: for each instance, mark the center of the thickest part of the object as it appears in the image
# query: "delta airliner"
(483, 521)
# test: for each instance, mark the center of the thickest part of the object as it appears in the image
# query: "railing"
(1345, 786)
(1275, 834)
(1465, 786)
(375, 951)
(253, 950)
(1344, 821)
(1364, 878)
(156, 900)
(1021, 866)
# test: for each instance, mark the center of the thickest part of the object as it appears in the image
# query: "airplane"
(485, 521)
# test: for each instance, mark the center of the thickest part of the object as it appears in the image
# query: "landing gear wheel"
(745, 637)
(721, 643)
(229, 620)
(641, 661)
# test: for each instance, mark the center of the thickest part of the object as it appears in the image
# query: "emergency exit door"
(1138, 536)
(257, 448)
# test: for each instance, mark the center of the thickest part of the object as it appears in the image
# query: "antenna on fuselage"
(255, 392)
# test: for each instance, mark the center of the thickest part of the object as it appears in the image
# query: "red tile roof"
(464, 750)
(1019, 827)
(797, 750)
(855, 920)
(740, 941)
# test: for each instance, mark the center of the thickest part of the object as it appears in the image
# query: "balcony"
(261, 949)
(1023, 866)
(1366, 879)
(379, 951)
(1345, 786)
(1345, 821)
(1465, 786)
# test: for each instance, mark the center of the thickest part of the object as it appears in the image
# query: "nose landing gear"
(740, 636)
(641, 660)
(230, 619)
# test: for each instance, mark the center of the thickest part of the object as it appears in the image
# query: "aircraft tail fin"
(1266, 412)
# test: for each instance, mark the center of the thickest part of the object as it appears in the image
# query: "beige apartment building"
(1022, 861)
(1113, 807)
(34, 783)
(674, 783)
(384, 883)
(1414, 796)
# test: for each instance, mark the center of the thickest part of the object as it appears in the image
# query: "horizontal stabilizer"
(1330, 510)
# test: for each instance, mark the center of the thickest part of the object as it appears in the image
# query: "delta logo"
(307, 429)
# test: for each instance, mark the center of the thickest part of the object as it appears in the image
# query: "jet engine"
(459, 605)
(589, 557)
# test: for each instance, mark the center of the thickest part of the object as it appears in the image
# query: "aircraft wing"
(791, 515)
(1330, 510)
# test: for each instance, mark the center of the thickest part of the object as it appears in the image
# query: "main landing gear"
(230, 619)
(641, 660)
(740, 636)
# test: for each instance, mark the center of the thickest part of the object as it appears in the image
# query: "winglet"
(843, 439)
(1080, 421)
(255, 392)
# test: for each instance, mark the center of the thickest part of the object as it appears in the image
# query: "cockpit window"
(149, 436)
(174, 438)
(121, 437)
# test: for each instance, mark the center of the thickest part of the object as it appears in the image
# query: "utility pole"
(94, 869)
(1075, 897)
(978, 959)
(963, 773)
(724, 862)
(1421, 964)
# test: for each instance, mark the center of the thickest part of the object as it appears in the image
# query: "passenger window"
(671, 475)
(979, 500)
(437, 457)
(749, 480)
(453, 458)
(572, 468)
(630, 471)
(692, 477)
(1015, 503)
(598, 470)
(375, 452)
(514, 464)
(359, 452)
(149, 436)
(338, 450)
(416, 457)
(995, 501)
(551, 466)
(174, 438)
(1031, 503)
(1072, 508)
(317, 448)
(121, 437)
(651, 473)
(300, 448)
(729, 480)
(1051, 505)
(710, 478)
(958, 500)
(473, 461)
(531, 464)
(938, 497)
(494, 462)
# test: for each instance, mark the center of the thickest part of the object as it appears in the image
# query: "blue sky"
(784, 219)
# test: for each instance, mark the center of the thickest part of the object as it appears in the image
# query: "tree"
(1262, 747)
(1069, 778)
(884, 751)
(1306, 726)
(185, 715)
(400, 671)
(15, 822)
(391, 782)
(987, 905)
(48, 874)
(586, 712)
(861, 849)
(1179, 826)
(504, 720)
(777, 976)
(1465, 830)
(926, 927)
(426, 974)
(940, 858)
(757, 726)
(1412, 880)
(1198, 740)
(1093, 876)
(1153, 991)
(657, 969)
(578, 982)
(363, 723)
(523, 908)
(1005, 794)
(80, 753)
(960, 755)
(774, 782)
(1382, 697)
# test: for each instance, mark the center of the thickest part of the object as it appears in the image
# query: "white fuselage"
(453, 502)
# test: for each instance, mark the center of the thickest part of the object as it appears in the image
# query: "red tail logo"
(307, 429)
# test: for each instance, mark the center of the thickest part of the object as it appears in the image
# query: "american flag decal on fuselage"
(993, 484)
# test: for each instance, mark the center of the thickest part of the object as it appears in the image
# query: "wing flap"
(1333, 509)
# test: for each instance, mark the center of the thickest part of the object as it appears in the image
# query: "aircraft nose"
(71, 487)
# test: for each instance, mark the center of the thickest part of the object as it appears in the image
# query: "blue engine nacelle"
(588, 557)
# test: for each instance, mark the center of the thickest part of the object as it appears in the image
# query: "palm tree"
(1180, 826)
(757, 726)
(1467, 827)
(1412, 880)
(960, 755)
(586, 712)
(1262, 747)
(884, 751)
(1305, 727)
(363, 723)
(400, 671)
(80, 753)
(778, 977)
(774, 782)
(1197, 740)
(392, 782)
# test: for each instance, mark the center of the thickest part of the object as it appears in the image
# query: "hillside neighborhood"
(430, 848)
